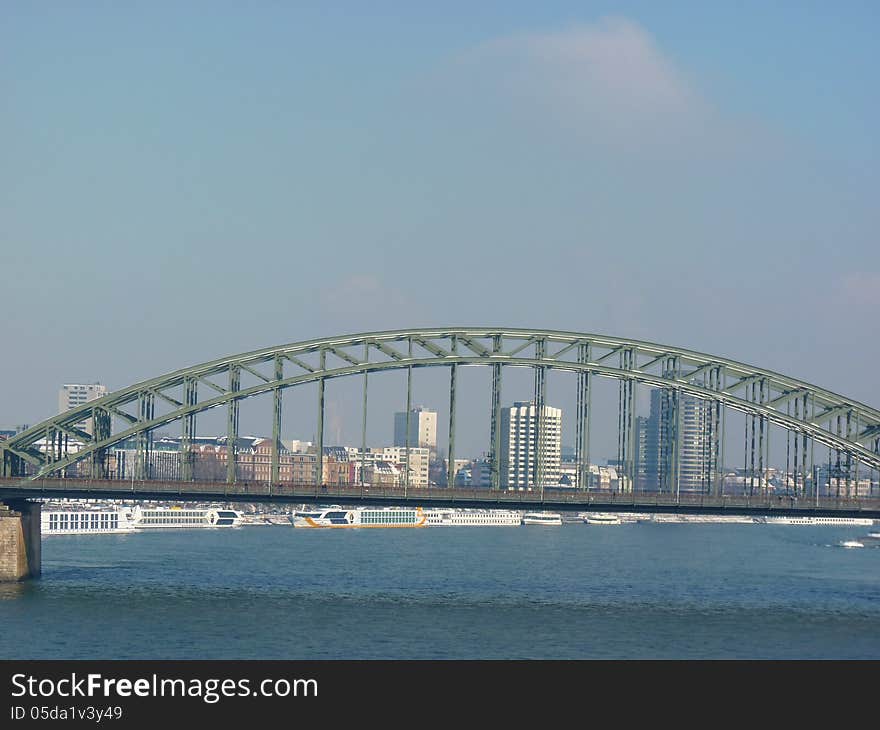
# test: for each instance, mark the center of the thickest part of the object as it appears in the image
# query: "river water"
(571, 592)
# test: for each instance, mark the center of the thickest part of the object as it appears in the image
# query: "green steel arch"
(842, 424)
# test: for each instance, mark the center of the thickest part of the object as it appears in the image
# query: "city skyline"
(520, 465)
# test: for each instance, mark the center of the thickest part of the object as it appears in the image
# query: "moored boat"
(340, 517)
(601, 518)
(542, 518)
(82, 521)
(183, 517)
(446, 517)
(811, 520)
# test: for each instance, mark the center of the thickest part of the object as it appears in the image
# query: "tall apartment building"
(72, 395)
(646, 453)
(656, 443)
(422, 429)
(521, 465)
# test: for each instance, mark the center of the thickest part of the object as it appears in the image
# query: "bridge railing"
(525, 499)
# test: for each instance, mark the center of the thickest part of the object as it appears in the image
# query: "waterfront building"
(209, 456)
(568, 473)
(480, 473)
(647, 452)
(461, 470)
(834, 482)
(694, 452)
(365, 470)
(419, 459)
(380, 473)
(527, 459)
(72, 395)
(337, 466)
(741, 481)
(254, 463)
(298, 447)
(422, 429)
(655, 443)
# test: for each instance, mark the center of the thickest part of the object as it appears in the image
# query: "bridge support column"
(495, 422)
(626, 425)
(232, 424)
(584, 411)
(11, 465)
(408, 407)
(275, 468)
(20, 540)
(191, 398)
(538, 470)
(450, 464)
(101, 428)
(319, 446)
(146, 410)
(363, 478)
(670, 429)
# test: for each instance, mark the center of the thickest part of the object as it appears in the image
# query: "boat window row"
(76, 521)
(175, 513)
(387, 518)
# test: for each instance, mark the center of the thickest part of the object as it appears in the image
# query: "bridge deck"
(551, 499)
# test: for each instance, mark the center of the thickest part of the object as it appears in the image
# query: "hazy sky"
(181, 181)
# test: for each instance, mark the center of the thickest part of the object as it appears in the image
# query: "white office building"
(522, 466)
(72, 395)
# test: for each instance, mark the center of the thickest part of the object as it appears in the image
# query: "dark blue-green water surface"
(570, 592)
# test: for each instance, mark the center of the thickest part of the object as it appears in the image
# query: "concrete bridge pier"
(20, 540)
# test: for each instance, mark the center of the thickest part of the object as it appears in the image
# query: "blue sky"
(183, 181)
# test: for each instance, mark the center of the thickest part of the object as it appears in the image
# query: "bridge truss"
(810, 415)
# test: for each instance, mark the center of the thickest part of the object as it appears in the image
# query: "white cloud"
(859, 288)
(365, 300)
(608, 78)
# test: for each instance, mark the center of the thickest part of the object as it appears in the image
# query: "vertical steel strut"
(101, 427)
(232, 425)
(408, 407)
(191, 399)
(582, 417)
(453, 372)
(540, 399)
(319, 447)
(495, 419)
(276, 422)
(364, 417)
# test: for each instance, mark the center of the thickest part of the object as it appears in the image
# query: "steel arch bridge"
(809, 413)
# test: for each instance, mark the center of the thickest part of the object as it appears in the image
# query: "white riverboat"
(805, 520)
(601, 518)
(542, 518)
(701, 519)
(84, 521)
(150, 518)
(369, 517)
(472, 517)
(851, 544)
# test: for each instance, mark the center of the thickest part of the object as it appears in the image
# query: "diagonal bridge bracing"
(808, 414)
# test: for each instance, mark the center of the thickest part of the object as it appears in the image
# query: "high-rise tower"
(527, 460)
